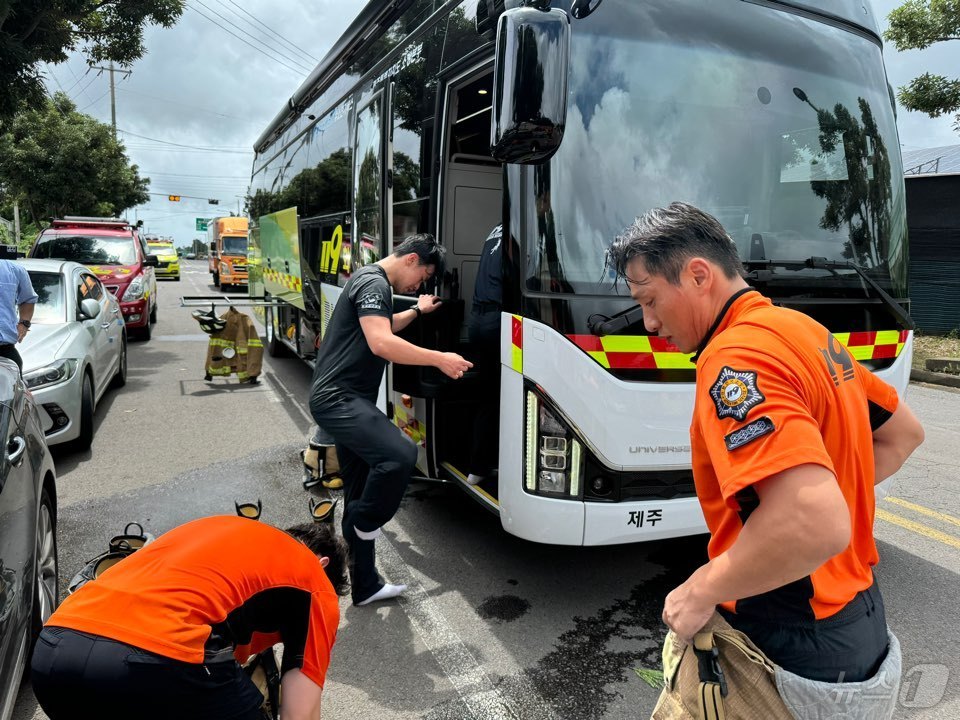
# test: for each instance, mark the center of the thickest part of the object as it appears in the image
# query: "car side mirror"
(89, 309)
(151, 261)
(530, 84)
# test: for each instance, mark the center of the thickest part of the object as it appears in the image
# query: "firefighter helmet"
(209, 322)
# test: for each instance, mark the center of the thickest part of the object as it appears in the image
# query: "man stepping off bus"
(376, 458)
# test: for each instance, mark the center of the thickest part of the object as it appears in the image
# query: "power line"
(232, 177)
(194, 107)
(264, 25)
(86, 107)
(250, 35)
(246, 42)
(192, 147)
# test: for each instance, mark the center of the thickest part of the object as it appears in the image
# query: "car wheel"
(216, 279)
(146, 332)
(85, 439)
(177, 278)
(275, 348)
(47, 592)
(120, 379)
(153, 314)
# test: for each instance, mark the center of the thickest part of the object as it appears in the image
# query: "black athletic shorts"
(847, 647)
(77, 675)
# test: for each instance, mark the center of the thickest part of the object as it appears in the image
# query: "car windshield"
(161, 250)
(50, 307)
(87, 249)
(235, 246)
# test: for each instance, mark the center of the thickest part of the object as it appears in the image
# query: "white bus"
(563, 121)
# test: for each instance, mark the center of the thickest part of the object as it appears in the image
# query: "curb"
(935, 378)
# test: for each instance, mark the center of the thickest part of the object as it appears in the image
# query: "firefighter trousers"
(376, 461)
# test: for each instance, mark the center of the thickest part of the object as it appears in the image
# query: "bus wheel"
(275, 347)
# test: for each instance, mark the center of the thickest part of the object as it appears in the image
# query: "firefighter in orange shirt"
(159, 635)
(789, 436)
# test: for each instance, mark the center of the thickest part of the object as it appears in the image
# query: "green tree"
(33, 32)
(58, 161)
(918, 24)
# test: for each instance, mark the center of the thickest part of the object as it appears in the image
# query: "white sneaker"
(385, 593)
(475, 479)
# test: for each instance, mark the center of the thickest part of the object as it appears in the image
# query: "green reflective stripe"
(218, 371)
(255, 343)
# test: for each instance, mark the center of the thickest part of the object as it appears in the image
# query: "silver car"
(75, 350)
(28, 536)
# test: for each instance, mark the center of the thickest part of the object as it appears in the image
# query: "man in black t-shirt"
(376, 459)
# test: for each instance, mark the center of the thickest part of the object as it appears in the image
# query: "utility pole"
(113, 94)
(16, 222)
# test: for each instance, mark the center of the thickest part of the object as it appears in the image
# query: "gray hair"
(425, 247)
(665, 238)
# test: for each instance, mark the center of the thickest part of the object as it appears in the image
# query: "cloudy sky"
(193, 106)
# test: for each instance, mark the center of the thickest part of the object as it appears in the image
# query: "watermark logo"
(923, 686)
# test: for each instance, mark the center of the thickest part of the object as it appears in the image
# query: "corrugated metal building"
(932, 178)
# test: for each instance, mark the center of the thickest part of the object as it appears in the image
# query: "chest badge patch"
(735, 392)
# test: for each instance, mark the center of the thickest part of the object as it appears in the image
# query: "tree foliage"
(58, 161)
(918, 24)
(38, 31)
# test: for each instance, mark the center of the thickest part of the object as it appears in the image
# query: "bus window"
(367, 169)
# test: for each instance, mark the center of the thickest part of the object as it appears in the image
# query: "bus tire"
(275, 347)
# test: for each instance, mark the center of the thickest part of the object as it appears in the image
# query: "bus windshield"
(780, 126)
(234, 245)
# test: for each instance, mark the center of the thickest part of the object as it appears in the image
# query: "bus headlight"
(553, 462)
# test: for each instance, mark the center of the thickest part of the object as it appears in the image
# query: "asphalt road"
(492, 627)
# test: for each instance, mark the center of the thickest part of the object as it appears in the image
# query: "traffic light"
(213, 202)
(173, 198)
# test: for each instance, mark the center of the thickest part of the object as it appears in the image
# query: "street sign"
(202, 224)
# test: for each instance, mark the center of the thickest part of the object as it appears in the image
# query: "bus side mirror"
(530, 84)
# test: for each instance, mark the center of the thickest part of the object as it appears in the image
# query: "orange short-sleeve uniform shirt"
(776, 390)
(214, 584)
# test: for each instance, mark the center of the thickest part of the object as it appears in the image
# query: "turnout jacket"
(241, 335)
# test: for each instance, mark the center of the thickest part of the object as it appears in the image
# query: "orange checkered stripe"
(643, 352)
(288, 281)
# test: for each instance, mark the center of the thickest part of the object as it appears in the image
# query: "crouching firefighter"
(159, 634)
(789, 436)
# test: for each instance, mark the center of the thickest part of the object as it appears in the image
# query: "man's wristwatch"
(25, 323)
(417, 310)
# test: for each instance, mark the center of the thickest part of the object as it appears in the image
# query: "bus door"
(471, 206)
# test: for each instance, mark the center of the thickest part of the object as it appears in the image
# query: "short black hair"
(665, 238)
(323, 541)
(425, 247)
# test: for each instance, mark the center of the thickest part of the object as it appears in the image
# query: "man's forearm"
(26, 311)
(397, 350)
(402, 319)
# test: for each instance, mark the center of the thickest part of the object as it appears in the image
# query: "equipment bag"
(724, 676)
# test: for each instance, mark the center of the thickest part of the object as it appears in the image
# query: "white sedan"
(75, 350)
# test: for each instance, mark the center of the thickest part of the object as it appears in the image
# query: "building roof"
(943, 160)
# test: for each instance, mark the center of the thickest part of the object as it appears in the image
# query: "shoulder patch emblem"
(735, 393)
(370, 301)
(748, 433)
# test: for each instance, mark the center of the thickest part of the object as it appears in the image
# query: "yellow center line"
(924, 511)
(919, 528)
